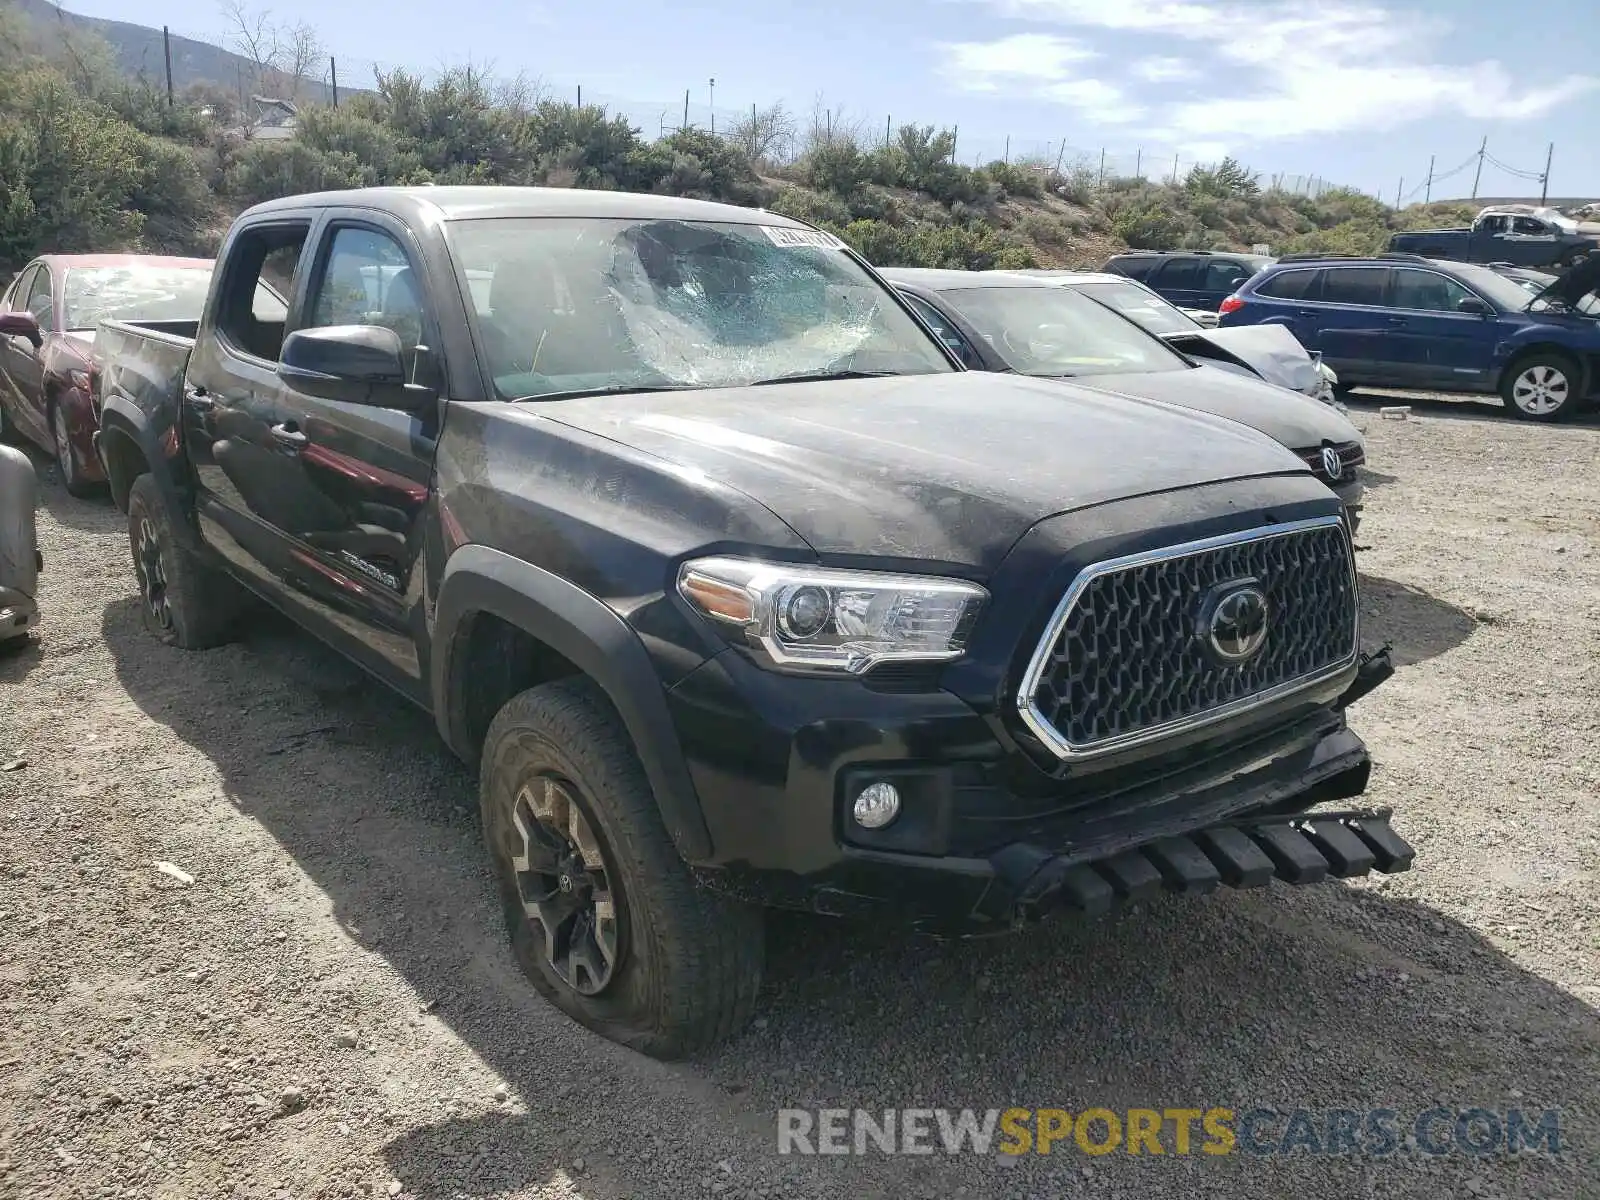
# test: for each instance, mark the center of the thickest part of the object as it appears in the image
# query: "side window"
(1494, 226)
(1133, 268)
(1427, 291)
(943, 330)
(1186, 273)
(1529, 227)
(250, 318)
(17, 294)
(1355, 285)
(1224, 275)
(1289, 285)
(367, 280)
(39, 300)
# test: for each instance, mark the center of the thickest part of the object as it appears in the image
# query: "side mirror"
(353, 364)
(21, 324)
(1473, 305)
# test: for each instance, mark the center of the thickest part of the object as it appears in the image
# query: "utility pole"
(1008, 149)
(1478, 174)
(1544, 180)
(1398, 188)
(1174, 170)
(580, 95)
(1138, 163)
(1427, 196)
(954, 134)
(685, 128)
(712, 105)
(333, 71)
(166, 48)
(1102, 183)
(887, 125)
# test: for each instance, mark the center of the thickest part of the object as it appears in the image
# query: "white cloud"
(1043, 64)
(1333, 67)
(1164, 70)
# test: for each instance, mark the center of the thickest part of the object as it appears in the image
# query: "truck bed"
(143, 362)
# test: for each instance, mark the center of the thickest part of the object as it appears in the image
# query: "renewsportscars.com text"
(1375, 1132)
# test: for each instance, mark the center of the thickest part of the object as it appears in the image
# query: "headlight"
(819, 619)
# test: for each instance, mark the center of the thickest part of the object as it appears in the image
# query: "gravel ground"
(326, 1008)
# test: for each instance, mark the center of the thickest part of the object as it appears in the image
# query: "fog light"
(877, 805)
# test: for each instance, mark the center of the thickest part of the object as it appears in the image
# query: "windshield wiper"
(815, 376)
(613, 390)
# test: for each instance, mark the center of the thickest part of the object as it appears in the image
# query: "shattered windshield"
(594, 304)
(1143, 308)
(95, 294)
(1057, 332)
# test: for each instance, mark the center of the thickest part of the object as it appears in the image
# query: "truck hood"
(951, 468)
(1297, 421)
(1271, 351)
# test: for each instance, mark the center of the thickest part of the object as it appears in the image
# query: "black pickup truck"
(736, 589)
(1521, 235)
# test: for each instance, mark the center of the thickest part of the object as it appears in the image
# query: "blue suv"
(1404, 321)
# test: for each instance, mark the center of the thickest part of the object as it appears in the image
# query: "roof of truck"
(479, 202)
(66, 261)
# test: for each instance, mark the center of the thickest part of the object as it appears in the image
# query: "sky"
(1359, 92)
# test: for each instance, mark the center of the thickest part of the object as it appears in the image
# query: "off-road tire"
(201, 605)
(66, 458)
(1547, 361)
(690, 965)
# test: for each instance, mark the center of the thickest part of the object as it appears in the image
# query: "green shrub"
(269, 170)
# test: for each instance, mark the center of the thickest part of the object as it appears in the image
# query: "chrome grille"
(1125, 658)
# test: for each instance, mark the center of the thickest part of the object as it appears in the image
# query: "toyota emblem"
(1332, 464)
(1233, 624)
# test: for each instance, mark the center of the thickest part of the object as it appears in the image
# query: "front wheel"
(1544, 386)
(603, 914)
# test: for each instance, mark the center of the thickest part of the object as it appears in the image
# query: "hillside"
(92, 157)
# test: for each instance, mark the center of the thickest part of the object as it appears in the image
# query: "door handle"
(197, 399)
(286, 436)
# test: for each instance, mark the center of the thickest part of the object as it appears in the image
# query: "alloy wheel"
(58, 427)
(1540, 390)
(152, 575)
(565, 885)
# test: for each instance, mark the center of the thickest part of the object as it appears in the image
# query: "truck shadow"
(1420, 626)
(1334, 996)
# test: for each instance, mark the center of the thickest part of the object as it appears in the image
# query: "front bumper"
(1229, 817)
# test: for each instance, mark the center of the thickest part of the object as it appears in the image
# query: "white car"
(1269, 352)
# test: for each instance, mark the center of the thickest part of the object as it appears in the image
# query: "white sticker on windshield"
(814, 239)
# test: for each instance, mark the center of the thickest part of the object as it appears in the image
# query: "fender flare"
(122, 418)
(593, 638)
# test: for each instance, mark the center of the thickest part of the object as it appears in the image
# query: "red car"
(47, 323)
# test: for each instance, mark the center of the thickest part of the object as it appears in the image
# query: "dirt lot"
(328, 1009)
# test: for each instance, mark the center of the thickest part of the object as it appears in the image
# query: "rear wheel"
(182, 601)
(66, 457)
(1544, 386)
(603, 914)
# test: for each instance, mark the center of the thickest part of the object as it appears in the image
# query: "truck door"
(1530, 242)
(359, 476)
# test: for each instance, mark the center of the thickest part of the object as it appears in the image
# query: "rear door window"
(1181, 273)
(1355, 285)
(945, 332)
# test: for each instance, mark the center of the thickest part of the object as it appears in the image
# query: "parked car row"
(739, 589)
(1406, 321)
(1403, 321)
